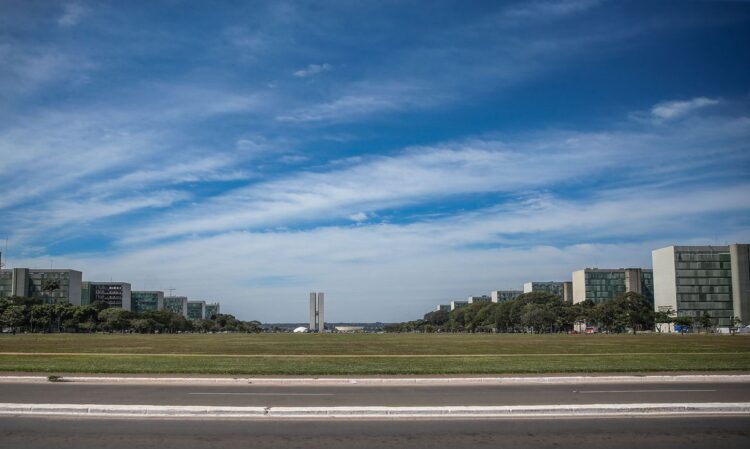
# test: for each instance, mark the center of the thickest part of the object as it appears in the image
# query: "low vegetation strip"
(357, 365)
(333, 356)
(371, 344)
(370, 354)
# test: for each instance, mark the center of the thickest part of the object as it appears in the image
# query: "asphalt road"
(361, 395)
(664, 433)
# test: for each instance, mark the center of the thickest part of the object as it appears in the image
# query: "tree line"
(21, 314)
(540, 312)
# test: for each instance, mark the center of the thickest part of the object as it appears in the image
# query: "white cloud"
(546, 9)
(674, 109)
(313, 69)
(347, 108)
(365, 99)
(394, 272)
(359, 217)
(72, 13)
(443, 172)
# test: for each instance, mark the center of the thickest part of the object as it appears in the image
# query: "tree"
(254, 327)
(663, 317)
(114, 319)
(100, 305)
(437, 318)
(537, 317)
(639, 311)
(40, 317)
(50, 285)
(684, 322)
(13, 317)
(706, 321)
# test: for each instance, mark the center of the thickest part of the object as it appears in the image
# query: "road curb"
(389, 381)
(598, 410)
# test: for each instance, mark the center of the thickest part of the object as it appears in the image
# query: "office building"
(143, 301)
(458, 304)
(176, 304)
(114, 294)
(691, 280)
(196, 310)
(51, 286)
(504, 295)
(553, 287)
(478, 299)
(568, 292)
(601, 285)
(211, 310)
(317, 317)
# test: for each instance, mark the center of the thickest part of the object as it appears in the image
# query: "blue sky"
(395, 155)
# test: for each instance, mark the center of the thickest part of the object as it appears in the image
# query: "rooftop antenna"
(171, 291)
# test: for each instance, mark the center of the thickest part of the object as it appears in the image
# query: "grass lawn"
(362, 354)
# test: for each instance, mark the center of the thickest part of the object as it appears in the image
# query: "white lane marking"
(638, 391)
(266, 394)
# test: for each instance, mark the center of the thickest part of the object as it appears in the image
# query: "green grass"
(362, 354)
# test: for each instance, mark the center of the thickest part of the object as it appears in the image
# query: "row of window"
(703, 257)
(705, 273)
(704, 265)
(704, 289)
(704, 281)
(692, 305)
(704, 297)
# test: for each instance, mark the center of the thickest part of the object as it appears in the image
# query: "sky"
(394, 155)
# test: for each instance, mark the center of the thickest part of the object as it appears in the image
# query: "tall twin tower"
(317, 322)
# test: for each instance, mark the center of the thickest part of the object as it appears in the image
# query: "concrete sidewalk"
(597, 410)
(433, 381)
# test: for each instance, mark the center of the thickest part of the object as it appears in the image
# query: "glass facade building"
(477, 299)
(196, 310)
(601, 285)
(114, 294)
(50, 286)
(693, 280)
(504, 295)
(211, 311)
(176, 304)
(553, 287)
(142, 301)
(6, 283)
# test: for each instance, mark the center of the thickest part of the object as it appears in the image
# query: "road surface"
(625, 433)
(382, 395)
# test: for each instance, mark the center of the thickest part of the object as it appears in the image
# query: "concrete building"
(142, 301)
(601, 285)
(211, 311)
(444, 307)
(317, 309)
(477, 299)
(568, 292)
(176, 304)
(51, 286)
(554, 287)
(458, 304)
(114, 294)
(196, 310)
(504, 295)
(691, 280)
